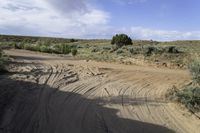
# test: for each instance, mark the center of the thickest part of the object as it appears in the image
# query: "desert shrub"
(35, 48)
(72, 46)
(132, 50)
(194, 68)
(172, 50)
(32, 47)
(119, 51)
(2, 62)
(113, 49)
(95, 49)
(27, 46)
(79, 46)
(44, 48)
(19, 45)
(190, 97)
(1, 53)
(73, 40)
(66, 49)
(43, 43)
(149, 51)
(57, 49)
(74, 51)
(107, 48)
(2, 68)
(137, 50)
(61, 49)
(86, 46)
(121, 40)
(7, 45)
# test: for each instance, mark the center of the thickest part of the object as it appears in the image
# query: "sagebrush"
(190, 97)
(194, 68)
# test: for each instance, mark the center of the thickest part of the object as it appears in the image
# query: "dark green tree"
(121, 40)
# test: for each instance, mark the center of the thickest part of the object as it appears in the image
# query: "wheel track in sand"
(89, 99)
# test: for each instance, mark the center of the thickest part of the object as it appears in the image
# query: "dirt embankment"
(49, 94)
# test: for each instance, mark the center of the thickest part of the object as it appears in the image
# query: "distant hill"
(31, 39)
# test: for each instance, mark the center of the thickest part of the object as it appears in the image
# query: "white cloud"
(66, 6)
(154, 34)
(165, 35)
(72, 18)
(65, 18)
(129, 2)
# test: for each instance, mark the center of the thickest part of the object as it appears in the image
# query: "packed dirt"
(51, 94)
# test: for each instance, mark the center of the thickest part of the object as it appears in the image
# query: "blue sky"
(140, 19)
(161, 14)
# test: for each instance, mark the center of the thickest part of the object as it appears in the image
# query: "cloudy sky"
(141, 19)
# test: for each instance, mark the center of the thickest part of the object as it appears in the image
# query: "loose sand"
(51, 94)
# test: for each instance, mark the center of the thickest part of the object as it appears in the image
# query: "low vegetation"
(3, 60)
(74, 51)
(176, 54)
(121, 48)
(29, 39)
(48, 48)
(190, 97)
(194, 68)
(190, 94)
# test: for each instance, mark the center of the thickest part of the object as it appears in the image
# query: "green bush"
(1, 53)
(35, 48)
(79, 46)
(95, 49)
(2, 65)
(121, 40)
(172, 50)
(107, 48)
(66, 49)
(32, 47)
(19, 45)
(73, 40)
(136, 50)
(74, 52)
(190, 97)
(60, 49)
(57, 49)
(45, 49)
(113, 49)
(120, 51)
(194, 68)
(2, 62)
(131, 50)
(27, 46)
(150, 50)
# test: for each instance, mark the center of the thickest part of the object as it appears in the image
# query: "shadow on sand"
(27, 107)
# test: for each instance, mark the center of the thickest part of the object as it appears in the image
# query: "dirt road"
(51, 94)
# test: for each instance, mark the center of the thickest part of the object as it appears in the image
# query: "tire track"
(75, 96)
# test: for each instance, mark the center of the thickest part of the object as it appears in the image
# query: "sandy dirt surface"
(51, 94)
